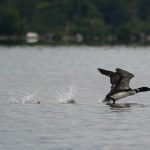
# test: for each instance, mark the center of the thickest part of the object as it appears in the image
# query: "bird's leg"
(113, 101)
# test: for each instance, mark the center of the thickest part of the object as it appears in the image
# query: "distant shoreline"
(21, 40)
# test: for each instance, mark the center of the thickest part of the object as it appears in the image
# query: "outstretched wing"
(106, 72)
(114, 77)
(124, 80)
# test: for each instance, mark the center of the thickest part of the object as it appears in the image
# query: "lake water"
(51, 76)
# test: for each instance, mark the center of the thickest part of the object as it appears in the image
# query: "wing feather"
(114, 77)
(120, 79)
(125, 78)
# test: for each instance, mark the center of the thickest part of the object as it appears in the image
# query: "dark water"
(54, 75)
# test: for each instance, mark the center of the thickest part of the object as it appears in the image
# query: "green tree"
(10, 21)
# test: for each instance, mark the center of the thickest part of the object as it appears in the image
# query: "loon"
(120, 85)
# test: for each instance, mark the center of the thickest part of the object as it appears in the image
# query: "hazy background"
(76, 21)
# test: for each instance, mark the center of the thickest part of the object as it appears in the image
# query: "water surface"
(52, 75)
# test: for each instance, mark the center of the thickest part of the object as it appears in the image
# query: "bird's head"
(144, 89)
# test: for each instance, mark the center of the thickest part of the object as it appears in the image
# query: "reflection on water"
(50, 75)
(125, 105)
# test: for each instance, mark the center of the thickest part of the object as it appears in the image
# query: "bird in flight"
(120, 88)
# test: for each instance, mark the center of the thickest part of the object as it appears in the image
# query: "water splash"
(12, 98)
(67, 97)
(100, 100)
(29, 98)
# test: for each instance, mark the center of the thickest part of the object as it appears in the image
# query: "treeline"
(97, 21)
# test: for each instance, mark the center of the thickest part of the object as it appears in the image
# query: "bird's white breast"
(120, 95)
